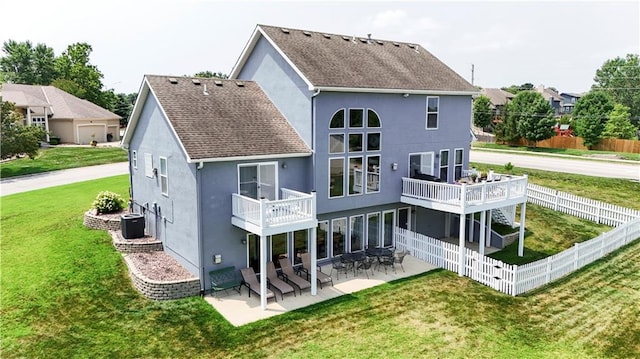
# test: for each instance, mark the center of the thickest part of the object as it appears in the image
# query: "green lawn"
(58, 158)
(66, 293)
(561, 151)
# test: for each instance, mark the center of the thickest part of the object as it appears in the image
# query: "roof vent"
(326, 36)
(204, 90)
(307, 33)
(364, 41)
(217, 82)
(239, 84)
(380, 42)
(416, 49)
(196, 81)
(396, 44)
(286, 31)
(346, 38)
(411, 46)
(173, 80)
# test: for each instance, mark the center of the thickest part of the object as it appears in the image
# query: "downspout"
(199, 226)
(313, 139)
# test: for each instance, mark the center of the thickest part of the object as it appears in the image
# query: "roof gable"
(341, 61)
(221, 119)
(60, 103)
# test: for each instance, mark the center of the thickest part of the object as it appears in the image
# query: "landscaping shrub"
(108, 202)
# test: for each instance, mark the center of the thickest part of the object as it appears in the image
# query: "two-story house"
(318, 143)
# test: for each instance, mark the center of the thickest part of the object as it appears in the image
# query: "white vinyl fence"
(595, 211)
(514, 279)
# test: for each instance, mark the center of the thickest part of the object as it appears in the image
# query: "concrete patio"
(239, 309)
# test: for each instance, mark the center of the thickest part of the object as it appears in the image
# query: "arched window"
(337, 121)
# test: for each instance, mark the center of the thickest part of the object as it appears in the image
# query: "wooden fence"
(513, 279)
(606, 144)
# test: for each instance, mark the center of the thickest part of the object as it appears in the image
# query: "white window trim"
(366, 140)
(366, 165)
(134, 159)
(346, 221)
(420, 153)
(461, 164)
(362, 233)
(362, 176)
(426, 119)
(384, 213)
(344, 120)
(374, 111)
(369, 215)
(270, 163)
(328, 240)
(344, 143)
(164, 175)
(440, 166)
(364, 118)
(344, 164)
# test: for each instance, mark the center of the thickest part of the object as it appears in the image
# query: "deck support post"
(488, 239)
(314, 262)
(471, 227)
(483, 232)
(263, 272)
(463, 222)
(523, 211)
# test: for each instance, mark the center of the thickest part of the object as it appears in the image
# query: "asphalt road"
(56, 178)
(617, 169)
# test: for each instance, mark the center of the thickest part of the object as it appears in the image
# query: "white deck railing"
(508, 187)
(294, 207)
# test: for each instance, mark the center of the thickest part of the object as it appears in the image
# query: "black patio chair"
(339, 266)
(366, 265)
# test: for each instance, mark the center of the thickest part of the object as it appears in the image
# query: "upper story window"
(164, 176)
(433, 106)
(354, 132)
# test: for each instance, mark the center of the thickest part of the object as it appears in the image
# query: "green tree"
(515, 89)
(531, 115)
(620, 79)
(17, 139)
(590, 114)
(124, 106)
(619, 124)
(482, 113)
(210, 74)
(25, 64)
(73, 65)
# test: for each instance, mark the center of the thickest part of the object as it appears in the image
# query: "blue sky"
(552, 43)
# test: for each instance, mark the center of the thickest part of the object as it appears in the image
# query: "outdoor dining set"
(289, 278)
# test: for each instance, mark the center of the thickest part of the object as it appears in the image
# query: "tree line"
(611, 108)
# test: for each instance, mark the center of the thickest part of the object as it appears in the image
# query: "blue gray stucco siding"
(403, 132)
(171, 218)
(285, 88)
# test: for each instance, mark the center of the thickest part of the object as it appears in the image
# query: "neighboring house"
(569, 101)
(63, 115)
(499, 99)
(318, 143)
(554, 98)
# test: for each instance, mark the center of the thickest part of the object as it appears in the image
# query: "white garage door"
(87, 133)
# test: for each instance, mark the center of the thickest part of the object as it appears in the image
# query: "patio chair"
(366, 265)
(339, 266)
(250, 280)
(291, 277)
(398, 258)
(277, 283)
(322, 278)
(386, 261)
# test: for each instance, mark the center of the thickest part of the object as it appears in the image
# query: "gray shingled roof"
(231, 121)
(497, 96)
(63, 105)
(331, 60)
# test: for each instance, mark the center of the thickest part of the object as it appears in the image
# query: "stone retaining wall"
(94, 221)
(162, 290)
(137, 245)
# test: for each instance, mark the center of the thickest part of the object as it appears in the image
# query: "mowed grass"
(59, 158)
(66, 293)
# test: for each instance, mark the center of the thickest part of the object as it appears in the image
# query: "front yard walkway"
(239, 309)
